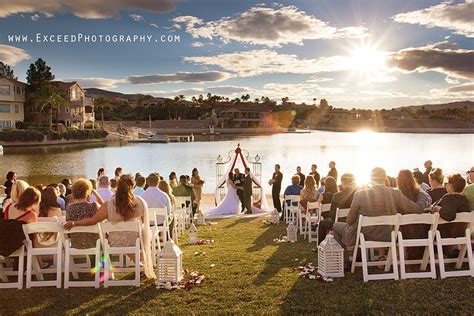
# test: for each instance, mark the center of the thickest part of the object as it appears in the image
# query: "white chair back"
(325, 207)
(341, 213)
(50, 226)
(161, 215)
(312, 206)
(128, 226)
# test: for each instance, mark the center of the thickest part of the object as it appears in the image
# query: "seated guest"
(184, 189)
(113, 185)
(315, 174)
(469, 189)
(48, 207)
(118, 173)
(100, 173)
(62, 204)
(419, 179)
(166, 188)
(378, 200)
(330, 188)
(308, 193)
(295, 187)
(122, 208)
(139, 186)
(81, 207)
(321, 187)
(450, 204)
(104, 189)
(342, 199)
(153, 196)
(67, 183)
(410, 189)
(62, 193)
(26, 209)
(18, 187)
(436, 179)
(301, 175)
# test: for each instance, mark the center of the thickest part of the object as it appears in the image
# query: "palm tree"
(49, 97)
(102, 103)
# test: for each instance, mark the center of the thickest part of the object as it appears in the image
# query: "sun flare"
(367, 59)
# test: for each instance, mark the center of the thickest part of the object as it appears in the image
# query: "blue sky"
(369, 54)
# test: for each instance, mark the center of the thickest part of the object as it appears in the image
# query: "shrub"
(21, 136)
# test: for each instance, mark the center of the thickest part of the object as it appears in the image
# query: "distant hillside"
(441, 106)
(95, 93)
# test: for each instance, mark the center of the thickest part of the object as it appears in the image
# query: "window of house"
(5, 124)
(18, 90)
(17, 108)
(5, 108)
(4, 89)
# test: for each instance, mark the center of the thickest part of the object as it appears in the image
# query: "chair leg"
(401, 250)
(137, 263)
(394, 256)
(363, 250)
(439, 246)
(98, 267)
(58, 266)
(462, 254)
(66, 267)
(389, 260)
(21, 267)
(432, 255)
(106, 265)
(28, 269)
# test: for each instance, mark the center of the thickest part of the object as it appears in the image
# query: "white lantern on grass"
(330, 258)
(170, 263)
(292, 233)
(200, 218)
(275, 217)
(193, 234)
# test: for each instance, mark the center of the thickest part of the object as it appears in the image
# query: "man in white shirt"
(104, 189)
(153, 196)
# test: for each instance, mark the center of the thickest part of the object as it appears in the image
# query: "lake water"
(353, 152)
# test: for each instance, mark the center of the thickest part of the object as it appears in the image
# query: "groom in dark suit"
(239, 184)
(247, 191)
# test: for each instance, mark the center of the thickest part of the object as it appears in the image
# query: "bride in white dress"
(230, 205)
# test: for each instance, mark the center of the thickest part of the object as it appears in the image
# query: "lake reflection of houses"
(80, 109)
(12, 102)
(245, 115)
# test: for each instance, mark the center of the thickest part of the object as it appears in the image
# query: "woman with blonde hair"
(18, 187)
(124, 206)
(26, 208)
(309, 192)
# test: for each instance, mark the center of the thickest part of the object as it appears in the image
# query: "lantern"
(330, 258)
(200, 218)
(193, 235)
(170, 263)
(275, 217)
(292, 232)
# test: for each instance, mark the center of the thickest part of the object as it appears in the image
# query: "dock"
(164, 139)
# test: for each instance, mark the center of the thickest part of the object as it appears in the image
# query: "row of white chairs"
(397, 240)
(109, 259)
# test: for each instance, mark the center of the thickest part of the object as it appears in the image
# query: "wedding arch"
(226, 165)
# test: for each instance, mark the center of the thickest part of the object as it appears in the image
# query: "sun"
(367, 59)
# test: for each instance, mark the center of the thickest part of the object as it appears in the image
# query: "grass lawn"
(252, 274)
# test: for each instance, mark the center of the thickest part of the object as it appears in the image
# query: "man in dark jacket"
(275, 182)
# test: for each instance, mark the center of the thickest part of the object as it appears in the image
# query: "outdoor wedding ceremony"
(242, 157)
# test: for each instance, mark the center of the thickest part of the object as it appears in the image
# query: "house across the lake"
(245, 115)
(80, 109)
(12, 102)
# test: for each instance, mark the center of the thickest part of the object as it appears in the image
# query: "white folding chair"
(341, 213)
(366, 221)
(293, 209)
(428, 243)
(463, 241)
(6, 271)
(286, 207)
(312, 219)
(130, 226)
(71, 253)
(32, 252)
(186, 204)
(155, 235)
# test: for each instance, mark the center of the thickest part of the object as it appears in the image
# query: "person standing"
(197, 183)
(238, 180)
(301, 175)
(315, 174)
(275, 182)
(247, 191)
(332, 170)
(10, 178)
(428, 167)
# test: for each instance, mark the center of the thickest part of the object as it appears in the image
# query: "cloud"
(12, 55)
(456, 17)
(195, 77)
(35, 17)
(458, 63)
(465, 87)
(84, 8)
(101, 83)
(197, 44)
(257, 62)
(136, 17)
(268, 26)
(462, 91)
(190, 77)
(154, 25)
